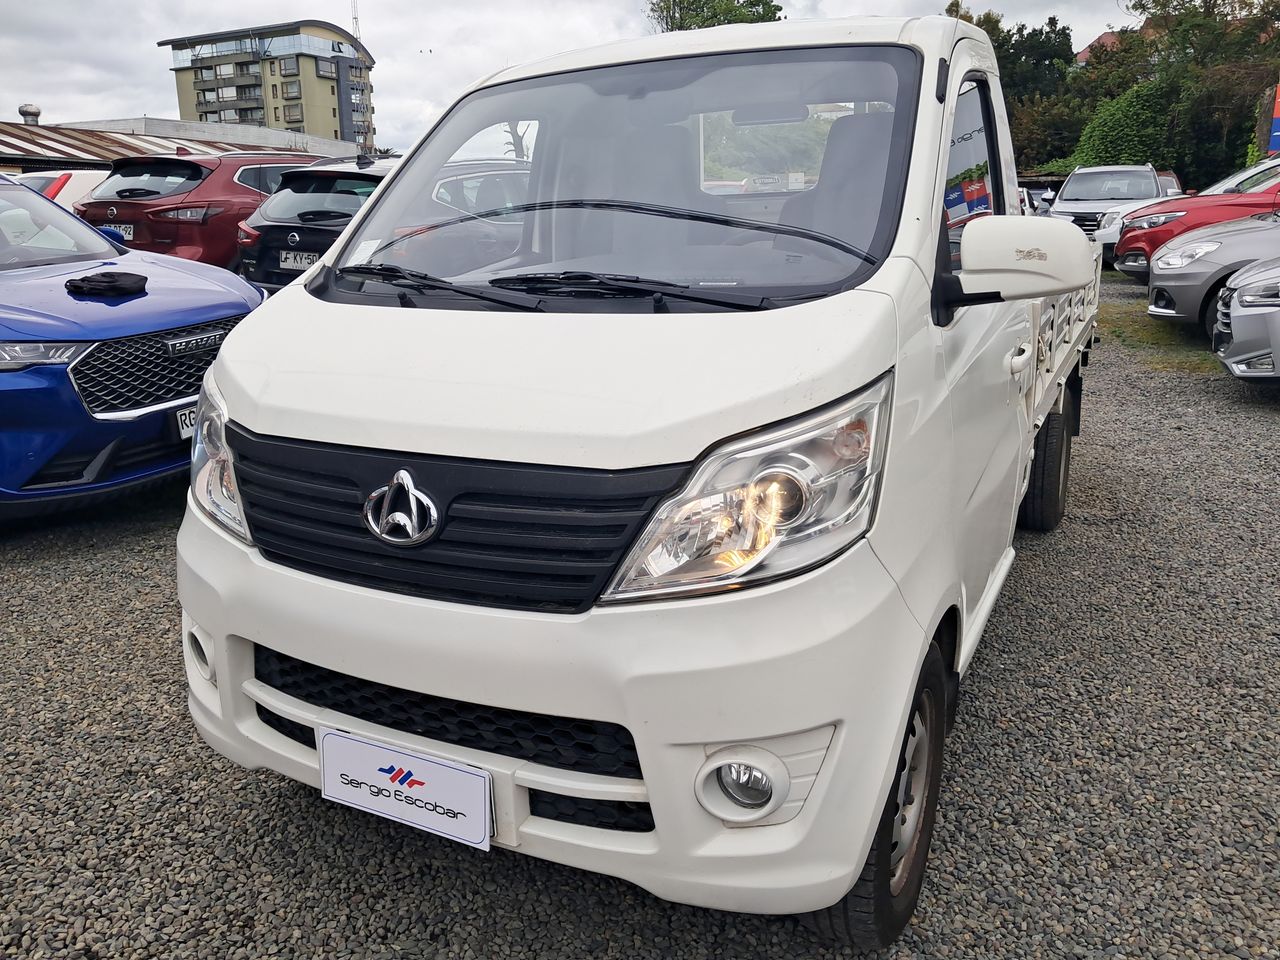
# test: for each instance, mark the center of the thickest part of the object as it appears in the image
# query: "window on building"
(226, 93)
(204, 73)
(275, 91)
(335, 111)
(333, 91)
(252, 69)
(288, 66)
(273, 67)
(326, 68)
(225, 70)
(335, 135)
(293, 113)
(277, 114)
(229, 115)
(292, 89)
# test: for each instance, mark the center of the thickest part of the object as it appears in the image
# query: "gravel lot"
(1111, 789)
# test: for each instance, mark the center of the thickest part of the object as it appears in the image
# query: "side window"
(973, 165)
(271, 178)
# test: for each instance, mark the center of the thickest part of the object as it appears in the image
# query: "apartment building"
(306, 76)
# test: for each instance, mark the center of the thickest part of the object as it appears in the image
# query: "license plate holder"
(126, 229)
(186, 421)
(296, 259)
(451, 800)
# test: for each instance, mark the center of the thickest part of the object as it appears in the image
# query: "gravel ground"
(1111, 789)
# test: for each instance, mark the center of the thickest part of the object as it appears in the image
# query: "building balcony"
(239, 103)
(209, 60)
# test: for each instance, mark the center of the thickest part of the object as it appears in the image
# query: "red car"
(185, 204)
(1148, 229)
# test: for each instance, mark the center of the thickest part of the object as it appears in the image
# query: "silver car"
(1247, 336)
(1188, 272)
(1089, 192)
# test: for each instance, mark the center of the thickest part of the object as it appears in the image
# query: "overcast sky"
(91, 61)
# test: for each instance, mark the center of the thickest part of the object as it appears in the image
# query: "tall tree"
(668, 15)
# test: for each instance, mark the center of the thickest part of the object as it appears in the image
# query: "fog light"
(745, 785)
(200, 657)
(1263, 364)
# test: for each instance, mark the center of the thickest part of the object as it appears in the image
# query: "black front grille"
(586, 746)
(1088, 222)
(1224, 308)
(117, 376)
(109, 462)
(606, 814)
(520, 536)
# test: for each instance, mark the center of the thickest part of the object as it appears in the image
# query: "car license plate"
(295, 260)
(439, 796)
(186, 422)
(126, 229)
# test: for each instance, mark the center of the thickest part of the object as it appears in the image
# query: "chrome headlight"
(213, 478)
(1177, 259)
(1108, 220)
(18, 356)
(1264, 294)
(1154, 220)
(769, 505)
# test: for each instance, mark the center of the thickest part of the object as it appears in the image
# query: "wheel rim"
(913, 794)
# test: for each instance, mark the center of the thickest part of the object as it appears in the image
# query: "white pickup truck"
(638, 501)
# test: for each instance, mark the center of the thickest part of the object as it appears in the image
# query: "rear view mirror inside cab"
(762, 114)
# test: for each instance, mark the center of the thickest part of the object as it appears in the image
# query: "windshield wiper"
(306, 216)
(416, 280)
(135, 193)
(652, 209)
(571, 280)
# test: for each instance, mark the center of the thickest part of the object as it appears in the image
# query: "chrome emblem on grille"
(111, 211)
(293, 239)
(400, 514)
(182, 346)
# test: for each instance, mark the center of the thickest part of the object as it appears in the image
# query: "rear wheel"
(1045, 501)
(880, 905)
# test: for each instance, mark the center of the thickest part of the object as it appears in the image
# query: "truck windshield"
(1114, 185)
(771, 175)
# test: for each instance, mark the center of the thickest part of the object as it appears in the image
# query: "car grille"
(607, 814)
(92, 467)
(585, 746)
(133, 373)
(1088, 222)
(1224, 308)
(519, 536)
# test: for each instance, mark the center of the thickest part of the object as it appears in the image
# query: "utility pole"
(363, 86)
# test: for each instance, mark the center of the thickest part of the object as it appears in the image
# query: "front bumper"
(1133, 264)
(819, 669)
(53, 452)
(1179, 294)
(1245, 339)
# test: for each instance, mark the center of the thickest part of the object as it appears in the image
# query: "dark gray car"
(1247, 335)
(1188, 272)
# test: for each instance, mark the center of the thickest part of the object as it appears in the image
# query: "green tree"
(668, 15)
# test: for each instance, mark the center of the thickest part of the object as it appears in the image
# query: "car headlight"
(1179, 258)
(18, 356)
(1154, 220)
(213, 477)
(765, 506)
(1264, 294)
(1108, 220)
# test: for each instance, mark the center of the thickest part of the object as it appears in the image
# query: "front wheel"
(878, 908)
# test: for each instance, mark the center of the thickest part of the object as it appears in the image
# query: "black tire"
(1045, 501)
(1209, 310)
(879, 907)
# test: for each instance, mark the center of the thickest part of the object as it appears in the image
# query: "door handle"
(1020, 359)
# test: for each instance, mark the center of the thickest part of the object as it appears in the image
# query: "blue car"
(97, 388)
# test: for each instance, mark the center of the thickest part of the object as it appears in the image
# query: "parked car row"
(102, 352)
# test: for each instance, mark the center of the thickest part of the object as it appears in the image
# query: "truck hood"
(609, 391)
(35, 305)
(1256, 273)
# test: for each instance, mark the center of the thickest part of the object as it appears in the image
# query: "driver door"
(984, 346)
